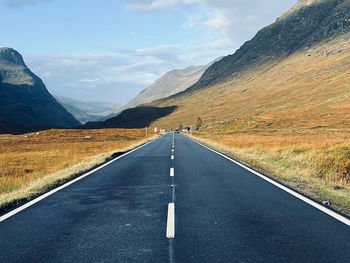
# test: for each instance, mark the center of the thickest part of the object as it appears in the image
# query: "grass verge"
(321, 173)
(36, 163)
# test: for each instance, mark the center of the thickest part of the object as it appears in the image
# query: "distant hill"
(135, 115)
(24, 99)
(169, 84)
(294, 71)
(87, 111)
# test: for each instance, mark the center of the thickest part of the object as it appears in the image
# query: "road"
(222, 213)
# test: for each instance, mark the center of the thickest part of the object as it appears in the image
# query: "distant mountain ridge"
(169, 84)
(87, 111)
(24, 99)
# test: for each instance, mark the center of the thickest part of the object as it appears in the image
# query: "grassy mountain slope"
(308, 23)
(309, 88)
(275, 75)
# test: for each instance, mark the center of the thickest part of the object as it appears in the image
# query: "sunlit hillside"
(308, 89)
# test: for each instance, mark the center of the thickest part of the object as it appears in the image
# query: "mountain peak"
(24, 97)
(307, 2)
(13, 70)
(11, 55)
(307, 24)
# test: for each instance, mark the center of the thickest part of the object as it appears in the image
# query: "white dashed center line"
(170, 230)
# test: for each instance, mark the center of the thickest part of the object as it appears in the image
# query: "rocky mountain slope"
(87, 111)
(293, 72)
(24, 99)
(309, 22)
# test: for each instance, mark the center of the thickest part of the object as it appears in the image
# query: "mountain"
(87, 111)
(24, 99)
(294, 71)
(306, 24)
(169, 84)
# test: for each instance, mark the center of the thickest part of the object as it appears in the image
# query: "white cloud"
(117, 75)
(231, 22)
(193, 20)
(90, 80)
(156, 5)
(20, 3)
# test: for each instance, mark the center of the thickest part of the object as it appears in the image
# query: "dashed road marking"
(172, 173)
(170, 229)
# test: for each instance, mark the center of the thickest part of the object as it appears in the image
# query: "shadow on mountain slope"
(138, 117)
(20, 128)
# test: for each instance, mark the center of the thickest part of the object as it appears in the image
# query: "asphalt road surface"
(207, 209)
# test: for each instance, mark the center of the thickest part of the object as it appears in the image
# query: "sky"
(110, 50)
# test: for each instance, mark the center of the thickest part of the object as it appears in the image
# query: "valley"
(280, 102)
(242, 159)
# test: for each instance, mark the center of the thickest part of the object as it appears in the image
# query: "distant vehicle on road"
(177, 131)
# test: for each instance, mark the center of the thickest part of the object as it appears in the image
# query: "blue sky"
(112, 49)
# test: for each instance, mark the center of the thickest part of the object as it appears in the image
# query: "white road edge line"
(172, 173)
(36, 200)
(170, 228)
(329, 212)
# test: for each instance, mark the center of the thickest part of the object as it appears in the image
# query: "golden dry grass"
(313, 161)
(32, 163)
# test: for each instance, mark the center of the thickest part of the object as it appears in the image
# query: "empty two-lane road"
(173, 202)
